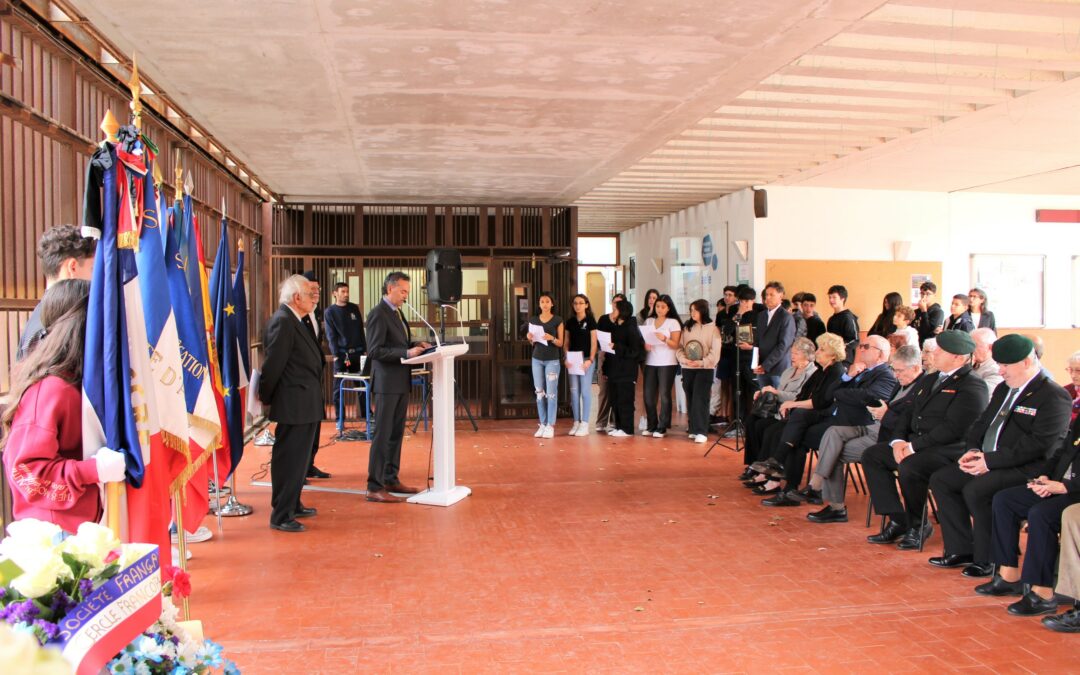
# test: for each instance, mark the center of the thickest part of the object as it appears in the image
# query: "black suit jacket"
(852, 397)
(939, 416)
(291, 377)
(897, 408)
(774, 339)
(388, 341)
(1037, 422)
(1068, 452)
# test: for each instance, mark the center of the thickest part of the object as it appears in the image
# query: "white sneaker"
(646, 432)
(658, 434)
(609, 428)
(176, 554)
(199, 535)
(700, 438)
(618, 433)
(573, 429)
(539, 432)
(549, 432)
(583, 430)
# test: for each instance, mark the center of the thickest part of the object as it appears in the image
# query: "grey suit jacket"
(291, 377)
(388, 342)
(774, 339)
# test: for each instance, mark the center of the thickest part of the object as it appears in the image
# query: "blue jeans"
(581, 394)
(546, 385)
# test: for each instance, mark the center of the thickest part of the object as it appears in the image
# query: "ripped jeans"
(546, 386)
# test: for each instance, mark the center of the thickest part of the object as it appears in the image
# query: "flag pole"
(181, 542)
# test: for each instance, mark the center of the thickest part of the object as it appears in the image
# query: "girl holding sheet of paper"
(661, 333)
(622, 368)
(581, 351)
(546, 335)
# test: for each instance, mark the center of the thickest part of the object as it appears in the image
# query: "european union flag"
(225, 337)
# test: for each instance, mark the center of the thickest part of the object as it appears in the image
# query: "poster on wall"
(916, 281)
(742, 273)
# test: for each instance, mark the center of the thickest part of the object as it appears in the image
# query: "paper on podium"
(440, 352)
(603, 337)
(537, 333)
(575, 363)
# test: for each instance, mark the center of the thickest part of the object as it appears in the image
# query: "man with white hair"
(291, 384)
(929, 346)
(1007, 446)
(983, 365)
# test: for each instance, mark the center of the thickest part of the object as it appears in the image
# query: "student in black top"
(929, 317)
(959, 318)
(843, 322)
(580, 331)
(623, 368)
(731, 357)
(344, 327)
(604, 414)
(883, 324)
(980, 315)
(647, 307)
(545, 364)
(815, 327)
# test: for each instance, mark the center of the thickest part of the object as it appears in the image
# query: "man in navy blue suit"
(773, 335)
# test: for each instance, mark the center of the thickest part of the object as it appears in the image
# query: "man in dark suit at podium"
(388, 343)
(291, 383)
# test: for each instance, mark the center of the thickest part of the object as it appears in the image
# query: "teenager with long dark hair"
(545, 364)
(581, 338)
(623, 367)
(699, 350)
(660, 365)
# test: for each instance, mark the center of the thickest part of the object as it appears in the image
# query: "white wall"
(839, 224)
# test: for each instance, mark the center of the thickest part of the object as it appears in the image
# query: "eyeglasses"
(1072, 370)
(866, 345)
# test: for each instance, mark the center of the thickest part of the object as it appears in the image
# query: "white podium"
(446, 491)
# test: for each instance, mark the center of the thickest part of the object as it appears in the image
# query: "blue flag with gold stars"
(225, 337)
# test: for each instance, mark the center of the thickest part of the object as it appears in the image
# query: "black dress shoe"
(828, 515)
(781, 498)
(890, 533)
(306, 512)
(949, 561)
(978, 570)
(913, 539)
(288, 526)
(316, 472)
(1069, 622)
(766, 464)
(1032, 605)
(998, 587)
(752, 483)
(747, 474)
(762, 490)
(808, 495)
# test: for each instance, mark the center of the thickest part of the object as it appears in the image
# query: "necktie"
(306, 320)
(404, 325)
(940, 381)
(990, 438)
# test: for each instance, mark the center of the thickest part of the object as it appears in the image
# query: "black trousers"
(621, 395)
(658, 380)
(289, 461)
(756, 428)
(770, 440)
(697, 383)
(965, 507)
(384, 458)
(798, 421)
(1011, 508)
(881, 471)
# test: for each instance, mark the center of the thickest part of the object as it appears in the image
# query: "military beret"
(956, 342)
(1012, 348)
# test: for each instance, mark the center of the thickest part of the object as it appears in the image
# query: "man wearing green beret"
(928, 436)
(1007, 446)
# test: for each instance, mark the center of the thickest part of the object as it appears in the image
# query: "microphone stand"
(736, 410)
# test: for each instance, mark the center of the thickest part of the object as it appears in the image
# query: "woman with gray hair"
(791, 382)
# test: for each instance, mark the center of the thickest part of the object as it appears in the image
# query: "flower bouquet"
(87, 596)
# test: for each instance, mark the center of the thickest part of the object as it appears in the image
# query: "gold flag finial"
(136, 92)
(159, 180)
(189, 183)
(179, 185)
(110, 126)
(240, 245)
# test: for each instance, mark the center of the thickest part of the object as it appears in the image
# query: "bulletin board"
(867, 282)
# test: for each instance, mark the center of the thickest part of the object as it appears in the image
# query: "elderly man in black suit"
(773, 335)
(1041, 503)
(388, 343)
(1008, 445)
(291, 384)
(928, 437)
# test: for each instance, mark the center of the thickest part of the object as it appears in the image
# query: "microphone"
(461, 326)
(421, 317)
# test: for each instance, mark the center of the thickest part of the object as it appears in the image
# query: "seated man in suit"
(1008, 445)
(1068, 573)
(843, 444)
(1041, 503)
(291, 384)
(868, 380)
(927, 437)
(388, 343)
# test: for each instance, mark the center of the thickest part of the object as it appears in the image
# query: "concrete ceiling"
(631, 109)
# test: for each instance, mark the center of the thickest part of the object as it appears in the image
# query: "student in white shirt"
(902, 318)
(660, 365)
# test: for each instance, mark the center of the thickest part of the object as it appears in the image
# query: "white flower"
(148, 647)
(40, 576)
(91, 545)
(21, 653)
(30, 542)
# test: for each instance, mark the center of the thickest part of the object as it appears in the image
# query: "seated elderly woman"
(815, 398)
(791, 383)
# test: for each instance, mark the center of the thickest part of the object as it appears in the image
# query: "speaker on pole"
(444, 276)
(761, 203)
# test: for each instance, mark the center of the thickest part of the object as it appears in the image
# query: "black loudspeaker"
(444, 276)
(761, 204)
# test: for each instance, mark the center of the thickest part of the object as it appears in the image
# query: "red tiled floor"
(586, 554)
